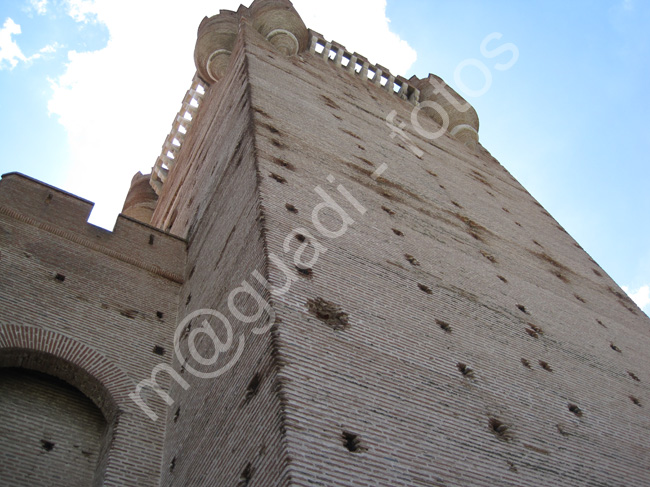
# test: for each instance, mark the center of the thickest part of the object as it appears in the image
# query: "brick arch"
(55, 354)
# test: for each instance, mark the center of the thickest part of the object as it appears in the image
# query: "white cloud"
(9, 51)
(641, 297)
(50, 48)
(118, 104)
(39, 6)
(83, 11)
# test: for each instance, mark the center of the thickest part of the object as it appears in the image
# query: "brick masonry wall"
(225, 430)
(65, 215)
(90, 306)
(452, 335)
(50, 433)
(454, 263)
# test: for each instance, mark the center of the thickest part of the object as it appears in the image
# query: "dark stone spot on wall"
(246, 476)
(465, 370)
(545, 366)
(412, 260)
(129, 313)
(307, 272)
(426, 289)
(329, 313)
(278, 178)
(330, 103)
(444, 325)
(281, 162)
(352, 442)
(47, 445)
(498, 427)
(575, 410)
(253, 387)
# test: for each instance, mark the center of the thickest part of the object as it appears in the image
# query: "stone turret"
(281, 25)
(449, 109)
(141, 199)
(276, 20)
(216, 38)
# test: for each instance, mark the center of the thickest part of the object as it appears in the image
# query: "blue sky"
(89, 89)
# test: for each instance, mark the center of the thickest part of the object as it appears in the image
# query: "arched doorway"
(90, 373)
(51, 434)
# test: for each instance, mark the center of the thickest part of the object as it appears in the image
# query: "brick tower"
(326, 280)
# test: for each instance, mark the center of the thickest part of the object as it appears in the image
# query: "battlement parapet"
(358, 65)
(174, 140)
(283, 28)
(436, 99)
(31, 202)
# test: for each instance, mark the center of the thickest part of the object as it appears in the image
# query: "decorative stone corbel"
(216, 40)
(450, 110)
(281, 25)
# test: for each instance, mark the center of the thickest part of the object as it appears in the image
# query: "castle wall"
(226, 429)
(453, 266)
(429, 322)
(94, 308)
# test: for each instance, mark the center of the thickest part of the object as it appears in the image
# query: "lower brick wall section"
(95, 320)
(50, 433)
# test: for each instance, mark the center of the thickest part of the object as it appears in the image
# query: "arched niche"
(51, 433)
(40, 443)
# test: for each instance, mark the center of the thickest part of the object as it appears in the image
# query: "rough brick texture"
(434, 326)
(398, 356)
(50, 434)
(88, 306)
(391, 377)
(227, 423)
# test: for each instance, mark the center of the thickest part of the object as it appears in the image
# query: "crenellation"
(42, 201)
(26, 200)
(217, 35)
(180, 127)
(359, 65)
(79, 303)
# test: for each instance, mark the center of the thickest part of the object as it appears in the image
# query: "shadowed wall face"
(50, 433)
(225, 429)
